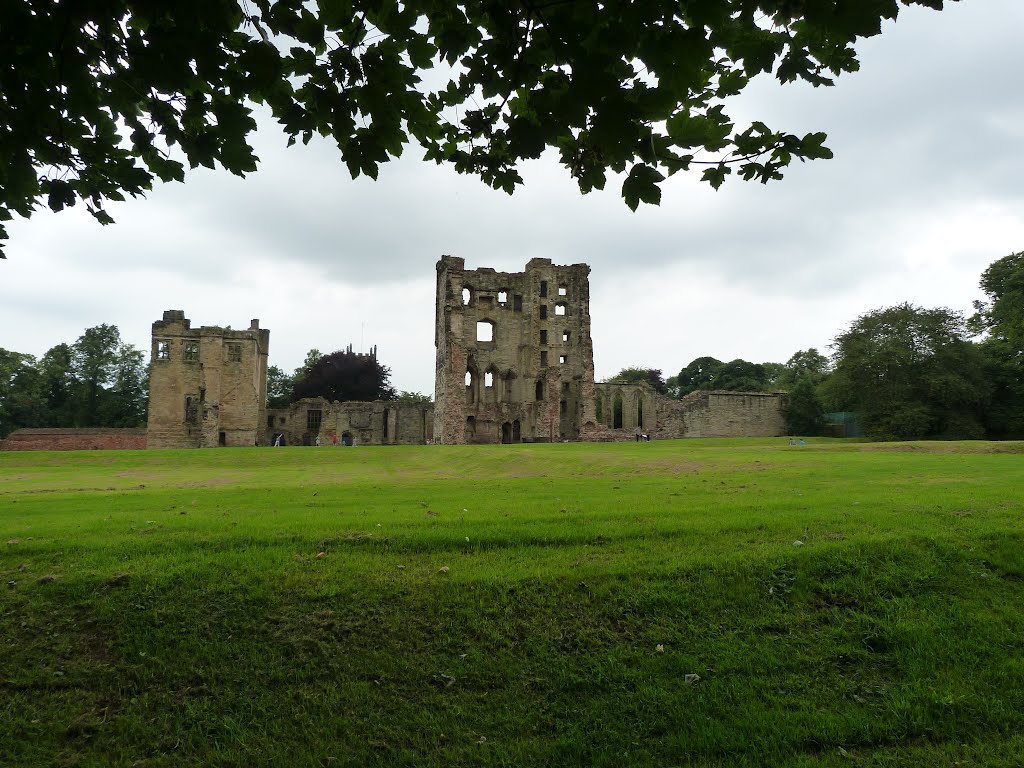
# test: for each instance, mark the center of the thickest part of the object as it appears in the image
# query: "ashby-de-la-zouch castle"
(515, 363)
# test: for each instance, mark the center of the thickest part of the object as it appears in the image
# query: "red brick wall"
(73, 439)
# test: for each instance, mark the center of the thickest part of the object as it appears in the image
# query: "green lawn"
(675, 603)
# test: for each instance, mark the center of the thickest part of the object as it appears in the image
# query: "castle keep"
(207, 386)
(514, 363)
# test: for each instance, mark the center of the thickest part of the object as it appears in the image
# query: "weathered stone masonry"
(515, 360)
(207, 386)
(514, 363)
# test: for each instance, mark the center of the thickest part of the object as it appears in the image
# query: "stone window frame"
(563, 289)
(233, 352)
(563, 359)
(190, 351)
(543, 336)
(314, 418)
(162, 349)
(566, 336)
(561, 309)
(543, 358)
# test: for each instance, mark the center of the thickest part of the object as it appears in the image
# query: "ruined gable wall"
(541, 345)
(85, 439)
(208, 385)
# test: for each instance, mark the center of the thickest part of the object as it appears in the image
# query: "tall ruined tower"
(515, 361)
(207, 386)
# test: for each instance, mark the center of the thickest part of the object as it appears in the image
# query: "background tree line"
(907, 372)
(98, 381)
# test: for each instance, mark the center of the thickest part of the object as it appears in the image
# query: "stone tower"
(207, 386)
(515, 361)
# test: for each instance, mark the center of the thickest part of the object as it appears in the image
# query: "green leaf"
(642, 186)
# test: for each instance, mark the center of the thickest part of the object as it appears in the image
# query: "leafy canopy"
(99, 100)
(342, 376)
(910, 373)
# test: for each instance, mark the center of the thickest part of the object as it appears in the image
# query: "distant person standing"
(277, 441)
(334, 438)
(639, 434)
(317, 441)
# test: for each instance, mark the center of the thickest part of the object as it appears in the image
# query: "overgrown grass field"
(677, 603)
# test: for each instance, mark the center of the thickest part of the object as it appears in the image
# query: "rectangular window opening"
(563, 359)
(560, 310)
(234, 353)
(565, 337)
(517, 303)
(191, 351)
(313, 418)
(543, 359)
(563, 290)
(543, 311)
(163, 350)
(543, 337)
(543, 289)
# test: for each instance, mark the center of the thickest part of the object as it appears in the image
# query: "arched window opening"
(385, 430)
(539, 391)
(617, 412)
(467, 296)
(599, 409)
(489, 380)
(639, 411)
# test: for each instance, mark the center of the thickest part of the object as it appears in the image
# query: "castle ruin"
(207, 386)
(514, 363)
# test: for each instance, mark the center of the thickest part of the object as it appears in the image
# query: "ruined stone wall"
(207, 386)
(623, 408)
(359, 423)
(74, 439)
(514, 356)
(727, 414)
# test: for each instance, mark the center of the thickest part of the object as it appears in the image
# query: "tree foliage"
(99, 100)
(805, 414)
(342, 376)
(279, 387)
(1001, 318)
(736, 376)
(910, 373)
(651, 376)
(698, 374)
(99, 381)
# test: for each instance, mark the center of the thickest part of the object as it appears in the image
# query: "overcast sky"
(924, 192)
